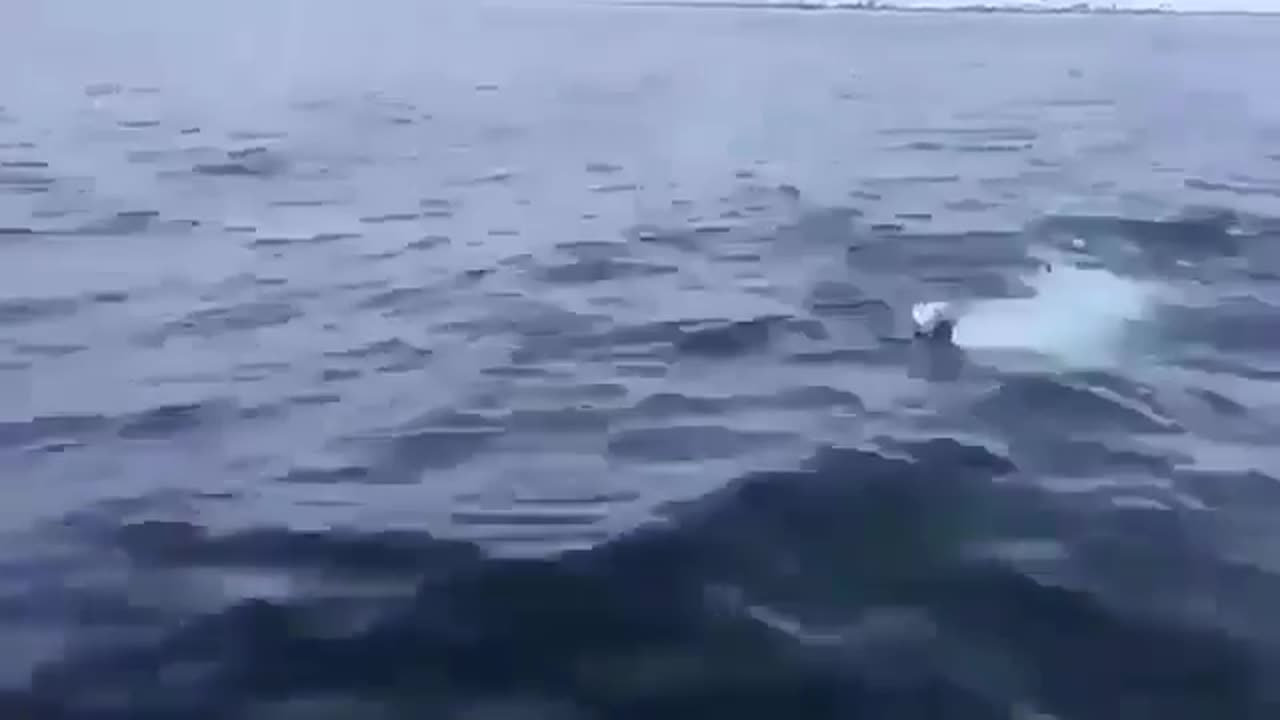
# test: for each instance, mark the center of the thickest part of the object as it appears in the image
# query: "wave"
(860, 585)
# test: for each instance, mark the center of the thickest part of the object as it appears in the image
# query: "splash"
(1080, 316)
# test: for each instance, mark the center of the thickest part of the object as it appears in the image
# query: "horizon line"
(889, 7)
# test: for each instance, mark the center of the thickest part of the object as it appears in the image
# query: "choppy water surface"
(482, 362)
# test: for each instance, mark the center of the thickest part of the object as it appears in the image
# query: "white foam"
(1077, 315)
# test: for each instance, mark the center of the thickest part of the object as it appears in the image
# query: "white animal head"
(931, 317)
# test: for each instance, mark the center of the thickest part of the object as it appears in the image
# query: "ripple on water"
(438, 440)
(166, 421)
(1018, 404)
(239, 317)
(480, 317)
(1242, 324)
(1196, 237)
(690, 442)
(21, 311)
(253, 162)
(602, 270)
(281, 241)
(52, 428)
(392, 355)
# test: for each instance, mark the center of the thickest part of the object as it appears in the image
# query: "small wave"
(1238, 324)
(18, 311)
(227, 319)
(1078, 406)
(1199, 234)
(257, 161)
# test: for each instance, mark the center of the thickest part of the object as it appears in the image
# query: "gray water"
(556, 361)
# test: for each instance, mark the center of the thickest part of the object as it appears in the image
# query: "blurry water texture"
(422, 359)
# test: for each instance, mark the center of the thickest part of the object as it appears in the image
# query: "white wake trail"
(1076, 315)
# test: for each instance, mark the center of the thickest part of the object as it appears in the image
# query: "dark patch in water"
(232, 318)
(687, 443)
(46, 428)
(20, 311)
(393, 355)
(276, 242)
(326, 476)
(1242, 324)
(602, 270)
(122, 223)
(166, 421)
(841, 590)
(389, 218)
(49, 350)
(1233, 188)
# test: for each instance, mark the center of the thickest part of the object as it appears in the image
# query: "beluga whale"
(1075, 315)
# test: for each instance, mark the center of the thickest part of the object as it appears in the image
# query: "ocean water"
(530, 361)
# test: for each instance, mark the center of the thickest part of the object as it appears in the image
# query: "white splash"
(1079, 316)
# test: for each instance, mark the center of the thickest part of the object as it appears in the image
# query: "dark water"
(409, 360)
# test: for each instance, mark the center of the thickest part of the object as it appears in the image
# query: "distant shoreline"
(974, 9)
